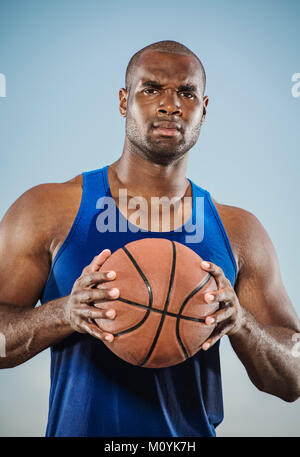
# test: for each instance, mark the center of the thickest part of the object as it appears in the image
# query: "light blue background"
(64, 63)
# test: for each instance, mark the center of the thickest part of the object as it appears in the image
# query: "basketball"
(161, 307)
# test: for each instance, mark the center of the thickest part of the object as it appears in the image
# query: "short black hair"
(168, 46)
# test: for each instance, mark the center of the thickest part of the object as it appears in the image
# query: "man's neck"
(145, 178)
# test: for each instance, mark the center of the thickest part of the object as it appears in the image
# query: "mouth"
(168, 129)
(166, 132)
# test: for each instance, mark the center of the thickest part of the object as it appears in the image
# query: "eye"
(187, 95)
(149, 91)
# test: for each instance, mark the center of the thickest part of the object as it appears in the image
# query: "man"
(50, 244)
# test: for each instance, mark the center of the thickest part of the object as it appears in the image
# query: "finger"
(221, 295)
(220, 316)
(94, 313)
(95, 331)
(217, 334)
(94, 295)
(92, 279)
(97, 262)
(217, 273)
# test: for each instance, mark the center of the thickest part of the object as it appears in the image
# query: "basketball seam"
(150, 295)
(179, 315)
(165, 306)
(160, 311)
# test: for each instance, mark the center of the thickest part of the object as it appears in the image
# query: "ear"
(205, 103)
(123, 95)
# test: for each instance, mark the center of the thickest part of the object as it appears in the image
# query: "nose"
(169, 104)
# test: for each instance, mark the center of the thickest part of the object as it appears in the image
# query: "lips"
(167, 125)
(166, 128)
(166, 132)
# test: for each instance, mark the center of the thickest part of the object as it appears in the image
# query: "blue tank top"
(93, 392)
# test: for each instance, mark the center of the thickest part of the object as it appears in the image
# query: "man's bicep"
(259, 286)
(24, 261)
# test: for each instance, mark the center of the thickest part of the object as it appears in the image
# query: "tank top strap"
(95, 184)
(199, 196)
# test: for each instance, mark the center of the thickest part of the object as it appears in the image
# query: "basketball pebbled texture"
(161, 307)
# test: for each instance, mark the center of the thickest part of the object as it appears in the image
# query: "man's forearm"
(26, 332)
(267, 355)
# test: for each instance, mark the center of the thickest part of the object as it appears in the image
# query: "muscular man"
(52, 250)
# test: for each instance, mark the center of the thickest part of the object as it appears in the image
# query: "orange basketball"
(161, 308)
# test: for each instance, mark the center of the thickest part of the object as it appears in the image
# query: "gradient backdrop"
(64, 62)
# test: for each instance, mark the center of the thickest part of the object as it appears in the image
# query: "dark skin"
(257, 314)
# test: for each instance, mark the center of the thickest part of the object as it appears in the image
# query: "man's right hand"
(79, 310)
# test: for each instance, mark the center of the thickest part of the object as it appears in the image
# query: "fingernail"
(205, 264)
(209, 297)
(113, 292)
(110, 313)
(210, 320)
(111, 274)
(109, 338)
(205, 346)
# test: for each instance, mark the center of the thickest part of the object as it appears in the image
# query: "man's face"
(165, 106)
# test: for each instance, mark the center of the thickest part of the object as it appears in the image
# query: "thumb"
(97, 261)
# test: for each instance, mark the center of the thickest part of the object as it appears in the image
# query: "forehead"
(167, 67)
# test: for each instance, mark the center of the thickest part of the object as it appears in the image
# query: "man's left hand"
(229, 318)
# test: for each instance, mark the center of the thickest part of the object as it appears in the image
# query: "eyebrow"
(182, 88)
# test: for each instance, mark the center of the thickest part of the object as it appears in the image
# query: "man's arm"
(258, 315)
(25, 237)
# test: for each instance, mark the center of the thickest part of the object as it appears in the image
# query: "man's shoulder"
(244, 230)
(49, 189)
(43, 209)
(45, 198)
(236, 215)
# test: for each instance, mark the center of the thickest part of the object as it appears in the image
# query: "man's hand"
(79, 309)
(229, 317)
